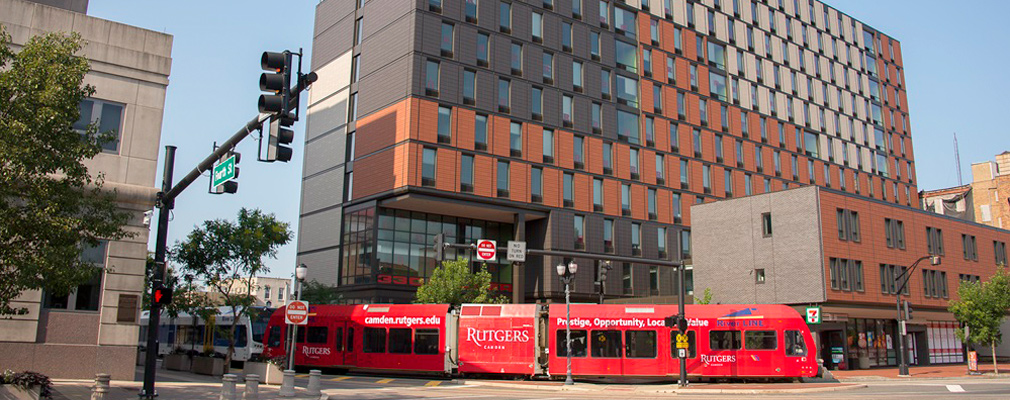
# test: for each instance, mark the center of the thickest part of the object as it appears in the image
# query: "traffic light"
(277, 81)
(162, 296)
(908, 311)
(439, 247)
(279, 138)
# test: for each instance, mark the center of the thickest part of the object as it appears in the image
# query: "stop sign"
(486, 250)
(297, 313)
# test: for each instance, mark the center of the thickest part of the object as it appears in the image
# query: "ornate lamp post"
(567, 272)
(300, 272)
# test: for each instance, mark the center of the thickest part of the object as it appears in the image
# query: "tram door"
(350, 353)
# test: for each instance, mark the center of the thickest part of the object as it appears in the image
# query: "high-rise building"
(93, 329)
(580, 125)
(991, 191)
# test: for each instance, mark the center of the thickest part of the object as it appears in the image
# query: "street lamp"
(300, 272)
(902, 336)
(567, 272)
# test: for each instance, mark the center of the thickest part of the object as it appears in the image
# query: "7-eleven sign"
(814, 315)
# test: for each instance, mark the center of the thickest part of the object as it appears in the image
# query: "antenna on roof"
(957, 161)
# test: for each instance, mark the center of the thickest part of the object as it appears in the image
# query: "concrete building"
(991, 191)
(94, 329)
(956, 202)
(821, 247)
(579, 125)
(269, 292)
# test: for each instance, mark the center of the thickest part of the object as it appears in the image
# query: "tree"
(51, 206)
(981, 306)
(705, 298)
(318, 293)
(226, 256)
(455, 284)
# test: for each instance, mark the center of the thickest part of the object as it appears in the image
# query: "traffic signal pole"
(166, 202)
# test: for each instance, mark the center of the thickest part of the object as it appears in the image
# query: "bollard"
(228, 387)
(288, 384)
(101, 387)
(313, 388)
(252, 387)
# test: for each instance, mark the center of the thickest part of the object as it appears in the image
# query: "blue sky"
(953, 53)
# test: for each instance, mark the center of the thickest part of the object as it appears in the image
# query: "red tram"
(528, 340)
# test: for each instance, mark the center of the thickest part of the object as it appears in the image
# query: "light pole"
(300, 271)
(902, 356)
(567, 272)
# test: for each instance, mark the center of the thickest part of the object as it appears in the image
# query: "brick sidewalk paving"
(81, 390)
(929, 371)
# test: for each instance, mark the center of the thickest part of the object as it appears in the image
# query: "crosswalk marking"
(339, 378)
(382, 381)
(955, 388)
(433, 383)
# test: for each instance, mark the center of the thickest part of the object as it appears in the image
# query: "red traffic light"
(162, 296)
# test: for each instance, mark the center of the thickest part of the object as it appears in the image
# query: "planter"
(9, 392)
(270, 374)
(178, 362)
(208, 366)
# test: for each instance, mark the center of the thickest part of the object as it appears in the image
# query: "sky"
(954, 55)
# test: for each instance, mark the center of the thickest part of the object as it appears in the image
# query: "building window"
(568, 190)
(580, 229)
(444, 124)
(483, 41)
(431, 78)
(626, 56)
(969, 246)
(652, 203)
(660, 169)
(766, 224)
(480, 132)
(578, 148)
(548, 73)
(999, 249)
(848, 225)
(355, 68)
(87, 296)
(471, 10)
(469, 86)
(537, 184)
(548, 142)
(636, 239)
(653, 280)
(626, 279)
(934, 238)
(517, 59)
(536, 103)
(684, 174)
(358, 31)
(661, 241)
(594, 45)
(608, 235)
(466, 173)
(597, 123)
(647, 62)
(627, 91)
(428, 167)
(624, 22)
(633, 162)
(935, 283)
(627, 126)
(759, 275)
(446, 43)
(685, 244)
(538, 27)
(674, 138)
(567, 119)
(605, 84)
(504, 89)
(728, 180)
(597, 194)
(717, 85)
(516, 139)
(106, 116)
(505, 17)
(608, 161)
(846, 275)
(625, 199)
(503, 179)
(706, 178)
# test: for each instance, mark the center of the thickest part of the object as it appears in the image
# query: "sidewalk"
(128, 390)
(924, 372)
(694, 388)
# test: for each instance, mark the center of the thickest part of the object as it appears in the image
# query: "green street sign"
(813, 315)
(224, 171)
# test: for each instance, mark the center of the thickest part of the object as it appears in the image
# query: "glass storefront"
(402, 246)
(873, 339)
(944, 346)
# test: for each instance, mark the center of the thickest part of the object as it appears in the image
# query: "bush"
(25, 380)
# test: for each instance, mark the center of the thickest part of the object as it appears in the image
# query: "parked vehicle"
(191, 333)
(768, 341)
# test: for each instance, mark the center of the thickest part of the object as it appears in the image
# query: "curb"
(582, 387)
(764, 391)
(875, 378)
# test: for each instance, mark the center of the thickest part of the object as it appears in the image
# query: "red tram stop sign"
(486, 250)
(297, 313)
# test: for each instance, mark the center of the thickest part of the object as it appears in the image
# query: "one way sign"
(813, 315)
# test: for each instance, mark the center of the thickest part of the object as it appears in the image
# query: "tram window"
(350, 339)
(399, 340)
(317, 334)
(426, 341)
(640, 344)
(338, 339)
(760, 340)
(578, 343)
(795, 345)
(300, 335)
(607, 344)
(221, 336)
(724, 340)
(274, 337)
(375, 340)
(692, 344)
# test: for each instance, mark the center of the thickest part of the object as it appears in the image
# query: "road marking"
(339, 378)
(382, 381)
(433, 383)
(459, 397)
(955, 388)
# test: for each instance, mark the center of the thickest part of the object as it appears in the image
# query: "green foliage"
(226, 255)
(705, 298)
(455, 284)
(319, 293)
(981, 306)
(26, 380)
(50, 204)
